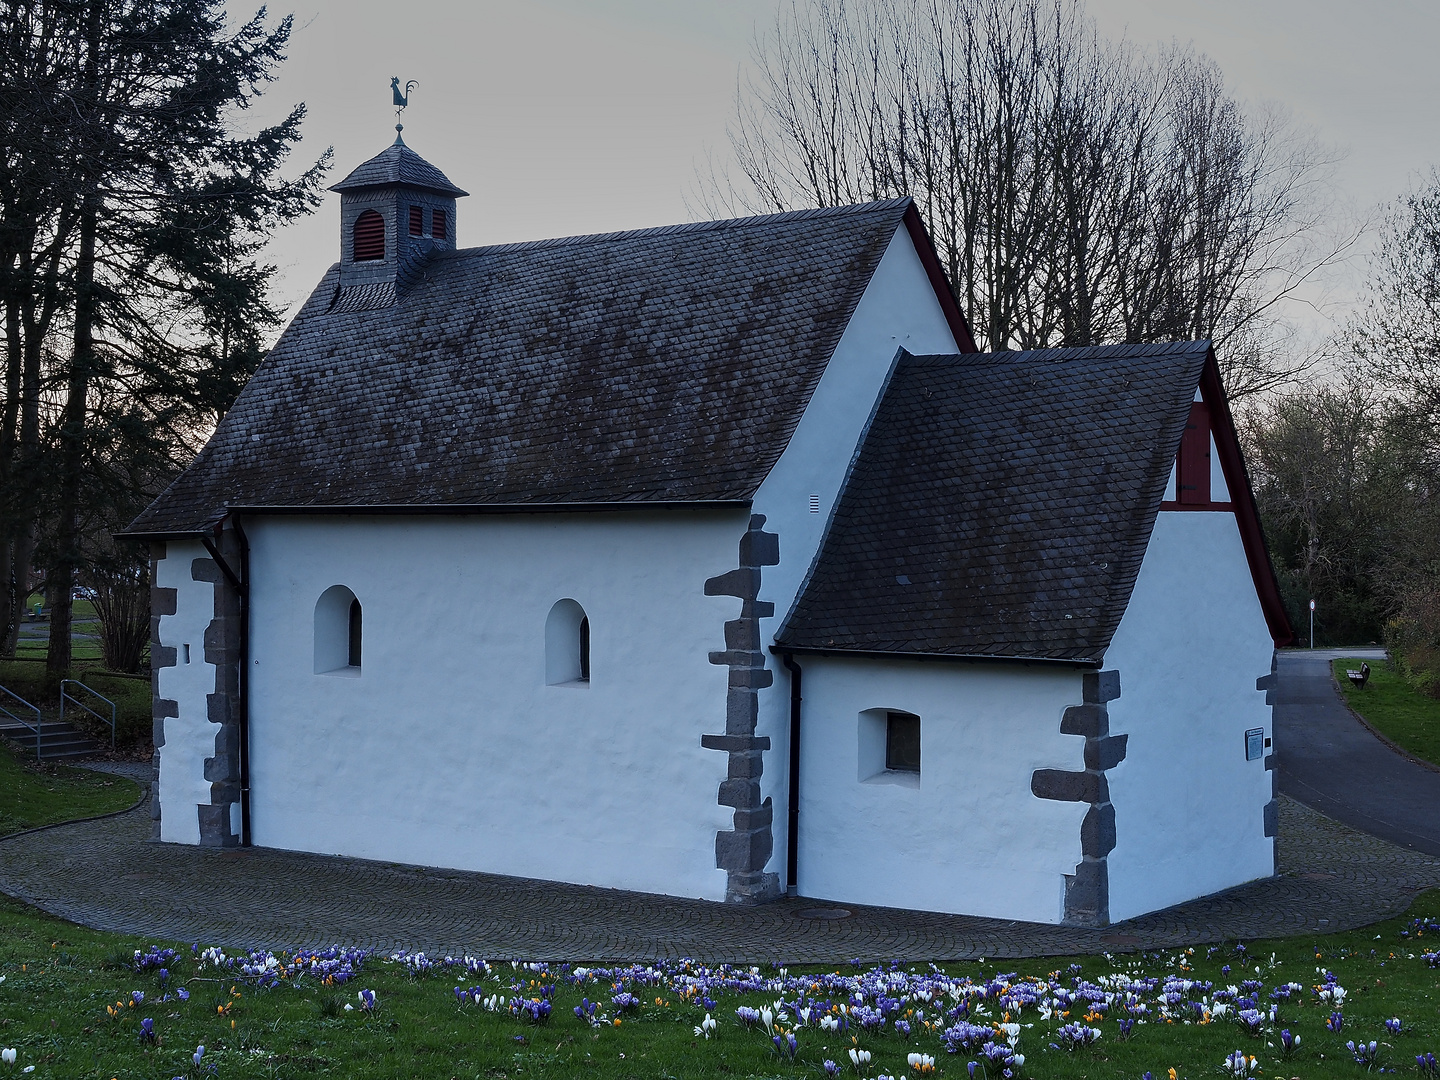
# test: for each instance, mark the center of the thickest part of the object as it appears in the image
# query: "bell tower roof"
(398, 165)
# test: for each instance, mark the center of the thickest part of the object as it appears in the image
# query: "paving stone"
(106, 874)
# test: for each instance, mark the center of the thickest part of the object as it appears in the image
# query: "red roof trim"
(1228, 507)
(959, 325)
(1227, 445)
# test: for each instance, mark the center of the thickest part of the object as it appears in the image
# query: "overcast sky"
(563, 116)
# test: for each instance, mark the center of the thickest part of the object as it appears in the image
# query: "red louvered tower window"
(417, 221)
(1193, 469)
(437, 224)
(369, 237)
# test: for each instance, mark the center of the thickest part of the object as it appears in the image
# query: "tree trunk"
(72, 445)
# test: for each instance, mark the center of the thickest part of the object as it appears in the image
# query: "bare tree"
(1079, 191)
(1398, 330)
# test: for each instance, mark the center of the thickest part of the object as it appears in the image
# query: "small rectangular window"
(417, 221)
(187, 654)
(902, 742)
(437, 224)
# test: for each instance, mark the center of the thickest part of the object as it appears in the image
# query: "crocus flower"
(147, 1030)
(8, 1055)
(831, 1069)
(1393, 1025)
(706, 1027)
(183, 994)
(199, 1053)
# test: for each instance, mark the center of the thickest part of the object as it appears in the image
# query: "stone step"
(56, 739)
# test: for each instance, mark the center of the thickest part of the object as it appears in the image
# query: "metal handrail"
(22, 722)
(64, 697)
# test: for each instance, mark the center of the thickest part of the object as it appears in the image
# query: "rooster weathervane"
(401, 99)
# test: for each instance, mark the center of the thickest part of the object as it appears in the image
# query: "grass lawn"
(1407, 718)
(34, 794)
(81, 1003)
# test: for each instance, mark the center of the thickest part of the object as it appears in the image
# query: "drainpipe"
(244, 687)
(241, 585)
(792, 838)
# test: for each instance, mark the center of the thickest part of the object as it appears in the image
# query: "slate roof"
(653, 366)
(1000, 504)
(398, 164)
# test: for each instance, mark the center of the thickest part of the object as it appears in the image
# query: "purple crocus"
(147, 1030)
(1393, 1025)
(1336, 1021)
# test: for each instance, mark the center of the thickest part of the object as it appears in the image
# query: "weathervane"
(401, 100)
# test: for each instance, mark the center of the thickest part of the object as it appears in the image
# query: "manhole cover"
(822, 913)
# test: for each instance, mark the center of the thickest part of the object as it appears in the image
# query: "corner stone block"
(742, 711)
(1087, 894)
(743, 582)
(747, 766)
(742, 635)
(759, 549)
(1266, 682)
(1102, 754)
(1092, 721)
(735, 743)
(749, 850)
(1097, 831)
(739, 793)
(1065, 786)
(163, 601)
(752, 887)
(215, 826)
(752, 678)
(1098, 687)
(204, 570)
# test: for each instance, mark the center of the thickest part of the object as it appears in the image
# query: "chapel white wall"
(898, 309)
(1189, 809)
(970, 838)
(449, 748)
(189, 736)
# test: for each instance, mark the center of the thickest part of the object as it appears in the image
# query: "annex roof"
(658, 366)
(1000, 504)
(398, 164)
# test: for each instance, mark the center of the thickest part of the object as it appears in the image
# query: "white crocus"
(199, 1053)
(706, 1027)
(8, 1055)
(767, 1018)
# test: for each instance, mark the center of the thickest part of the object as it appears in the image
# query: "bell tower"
(395, 210)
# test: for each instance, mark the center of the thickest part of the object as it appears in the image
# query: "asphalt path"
(1332, 763)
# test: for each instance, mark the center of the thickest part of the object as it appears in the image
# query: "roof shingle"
(659, 365)
(1000, 504)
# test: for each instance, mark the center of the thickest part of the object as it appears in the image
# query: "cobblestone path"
(106, 874)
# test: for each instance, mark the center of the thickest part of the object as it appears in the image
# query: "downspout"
(241, 585)
(243, 689)
(792, 839)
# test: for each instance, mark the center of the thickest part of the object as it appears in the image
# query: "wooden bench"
(1359, 678)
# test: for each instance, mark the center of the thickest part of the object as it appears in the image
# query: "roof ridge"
(811, 213)
(1083, 352)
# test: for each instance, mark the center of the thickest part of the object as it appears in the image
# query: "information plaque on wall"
(1254, 744)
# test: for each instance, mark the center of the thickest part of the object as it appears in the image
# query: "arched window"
(369, 237)
(337, 633)
(567, 645)
(353, 653)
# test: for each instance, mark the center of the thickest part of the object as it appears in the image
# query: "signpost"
(1312, 624)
